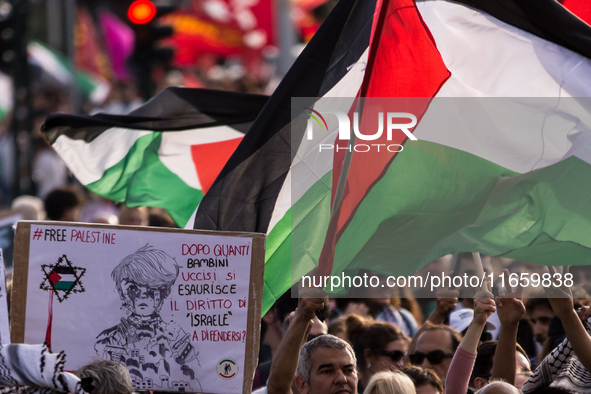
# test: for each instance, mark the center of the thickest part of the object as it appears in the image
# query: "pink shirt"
(458, 374)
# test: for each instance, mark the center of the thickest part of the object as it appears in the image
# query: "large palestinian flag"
(519, 193)
(493, 179)
(167, 153)
(253, 191)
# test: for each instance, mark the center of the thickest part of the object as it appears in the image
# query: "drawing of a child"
(143, 341)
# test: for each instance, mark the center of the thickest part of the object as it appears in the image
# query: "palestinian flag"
(165, 154)
(56, 67)
(62, 278)
(497, 189)
(253, 191)
(444, 193)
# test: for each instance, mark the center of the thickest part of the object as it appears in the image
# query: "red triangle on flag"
(54, 277)
(581, 8)
(210, 158)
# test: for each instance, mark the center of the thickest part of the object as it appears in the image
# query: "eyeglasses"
(395, 355)
(434, 357)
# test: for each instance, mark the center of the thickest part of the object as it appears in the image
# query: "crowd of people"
(479, 348)
(469, 342)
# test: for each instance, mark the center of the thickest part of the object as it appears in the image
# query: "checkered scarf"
(34, 369)
(561, 368)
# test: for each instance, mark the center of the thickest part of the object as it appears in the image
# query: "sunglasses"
(434, 357)
(395, 355)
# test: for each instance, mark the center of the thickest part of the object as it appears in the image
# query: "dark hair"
(456, 336)
(484, 359)
(338, 326)
(537, 302)
(421, 376)
(368, 334)
(58, 201)
(105, 377)
(160, 219)
(285, 305)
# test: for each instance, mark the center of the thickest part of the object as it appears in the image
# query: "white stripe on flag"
(175, 150)
(89, 161)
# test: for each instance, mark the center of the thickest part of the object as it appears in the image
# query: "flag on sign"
(446, 192)
(166, 153)
(62, 278)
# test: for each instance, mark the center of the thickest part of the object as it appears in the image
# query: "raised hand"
(584, 312)
(484, 306)
(446, 301)
(510, 308)
(311, 300)
(561, 298)
(357, 308)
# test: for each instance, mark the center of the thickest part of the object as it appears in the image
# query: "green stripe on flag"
(466, 203)
(299, 228)
(3, 113)
(63, 285)
(141, 179)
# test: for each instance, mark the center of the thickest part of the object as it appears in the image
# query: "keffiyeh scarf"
(562, 369)
(34, 369)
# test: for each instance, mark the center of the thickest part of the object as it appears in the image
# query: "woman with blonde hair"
(390, 383)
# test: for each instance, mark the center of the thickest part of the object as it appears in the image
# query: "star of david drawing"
(63, 278)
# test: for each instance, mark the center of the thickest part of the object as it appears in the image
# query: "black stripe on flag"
(547, 19)
(173, 109)
(64, 270)
(244, 194)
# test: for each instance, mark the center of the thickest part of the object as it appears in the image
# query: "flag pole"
(479, 269)
(340, 189)
(382, 5)
(338, 196)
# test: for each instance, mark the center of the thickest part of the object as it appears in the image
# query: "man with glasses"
(435, 348)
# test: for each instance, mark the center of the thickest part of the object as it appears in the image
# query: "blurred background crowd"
(89, 56)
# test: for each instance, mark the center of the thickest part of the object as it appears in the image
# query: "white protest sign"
(176, 307)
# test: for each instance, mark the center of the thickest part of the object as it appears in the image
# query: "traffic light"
(148, 52)
(141, 11)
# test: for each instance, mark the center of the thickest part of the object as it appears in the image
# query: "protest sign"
(179, 308)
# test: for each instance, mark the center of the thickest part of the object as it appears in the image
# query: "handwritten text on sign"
(170, 306)
(210, 272)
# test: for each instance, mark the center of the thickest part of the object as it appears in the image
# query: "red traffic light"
(141, 11)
